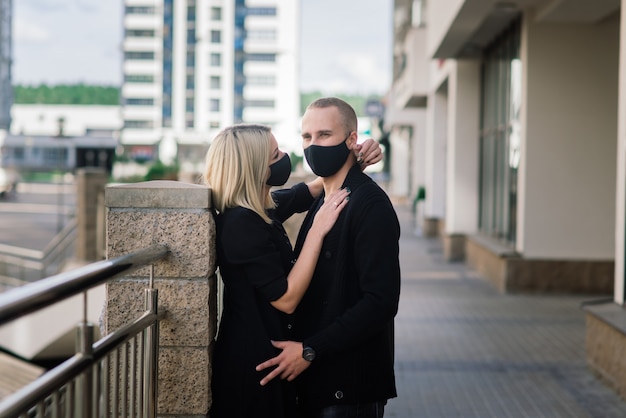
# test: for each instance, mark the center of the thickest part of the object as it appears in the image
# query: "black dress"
(254, 259)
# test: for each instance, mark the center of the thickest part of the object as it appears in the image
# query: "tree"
(68, 94)
(355, 100)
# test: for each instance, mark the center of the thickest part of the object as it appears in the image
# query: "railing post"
(84, 389)
(178, 215)
(151, 356)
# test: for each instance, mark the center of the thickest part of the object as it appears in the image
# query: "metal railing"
(115, 376)
(30, 265)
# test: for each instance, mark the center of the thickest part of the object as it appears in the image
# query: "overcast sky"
(345, 44)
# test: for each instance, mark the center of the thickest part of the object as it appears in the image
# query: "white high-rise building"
(6, 57)
(192, 67)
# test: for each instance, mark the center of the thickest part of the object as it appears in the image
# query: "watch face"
(308, 354)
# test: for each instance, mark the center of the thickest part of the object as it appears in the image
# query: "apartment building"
(513, 113)
(6, 57)
(192, 67)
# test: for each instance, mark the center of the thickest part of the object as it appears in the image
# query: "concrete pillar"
(435, 149)
(90, 184)
(620, 205)
(462, 155)
(178, 215)
(462, 150)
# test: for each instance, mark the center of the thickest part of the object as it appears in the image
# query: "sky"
(345, 44)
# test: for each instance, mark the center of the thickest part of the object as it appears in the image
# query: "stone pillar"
(90, 184)
(178, 215)
(453, 247)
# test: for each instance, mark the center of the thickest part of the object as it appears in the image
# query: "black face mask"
(279, 171)
(326, 161)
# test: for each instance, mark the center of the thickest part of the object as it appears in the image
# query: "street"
(31, 217)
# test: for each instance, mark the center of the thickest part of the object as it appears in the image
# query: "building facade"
(66, 120)
(193, 67)
(6, 58)
(513, 113)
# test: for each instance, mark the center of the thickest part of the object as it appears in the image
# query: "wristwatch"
(308, 353)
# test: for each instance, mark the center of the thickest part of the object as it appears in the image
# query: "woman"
(263, 283)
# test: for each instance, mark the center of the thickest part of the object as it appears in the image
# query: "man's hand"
(289, 363)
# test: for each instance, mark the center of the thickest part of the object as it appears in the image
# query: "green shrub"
(160, 171)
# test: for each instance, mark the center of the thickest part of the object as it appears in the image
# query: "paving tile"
(465, 350)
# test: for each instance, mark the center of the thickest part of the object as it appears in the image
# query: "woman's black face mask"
(280, 171)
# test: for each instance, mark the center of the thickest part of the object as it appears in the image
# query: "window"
(214, 105)
(260, 57)
(189, 105)
(191, 58)
(216, 13)
(261, 80)
(55, 155)
(216, 36)
(216, 59)
(214, 125)
(140, 33)
(259, 103)
(138, 124)
(499, 136)
(215, 82)
(140, 10)
(261, 11)
(139, 102)
(138, 78)
(139, 55)
(168, 47)
(191, 36)
(191, 82)
(18, 153)
(261, 35)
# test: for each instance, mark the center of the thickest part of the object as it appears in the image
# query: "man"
(345, 319)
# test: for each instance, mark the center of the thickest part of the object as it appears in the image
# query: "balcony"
(410, 88)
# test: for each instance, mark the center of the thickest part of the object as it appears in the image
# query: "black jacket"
(347, 314)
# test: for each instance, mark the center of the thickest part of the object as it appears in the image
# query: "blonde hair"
(236, 168)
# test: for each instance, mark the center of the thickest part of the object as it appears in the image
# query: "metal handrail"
(85, 376)
(31, 297)
(32, 393)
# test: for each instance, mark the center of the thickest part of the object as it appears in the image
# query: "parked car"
(8, 182)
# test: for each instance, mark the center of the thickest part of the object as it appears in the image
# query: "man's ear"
(352, 140)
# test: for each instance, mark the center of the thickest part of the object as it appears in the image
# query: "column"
(178, 215)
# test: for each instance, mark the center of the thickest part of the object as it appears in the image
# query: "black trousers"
(362, 410)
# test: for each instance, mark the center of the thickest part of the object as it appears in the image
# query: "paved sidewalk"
(465, 350)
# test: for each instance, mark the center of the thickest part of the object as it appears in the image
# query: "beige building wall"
(566, 203)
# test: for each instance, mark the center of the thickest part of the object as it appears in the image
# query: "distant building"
(60, 137)
(72, 120)
(26, 153)
(192, 67)
(6, 57)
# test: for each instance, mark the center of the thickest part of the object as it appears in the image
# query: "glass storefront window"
(499, 136)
